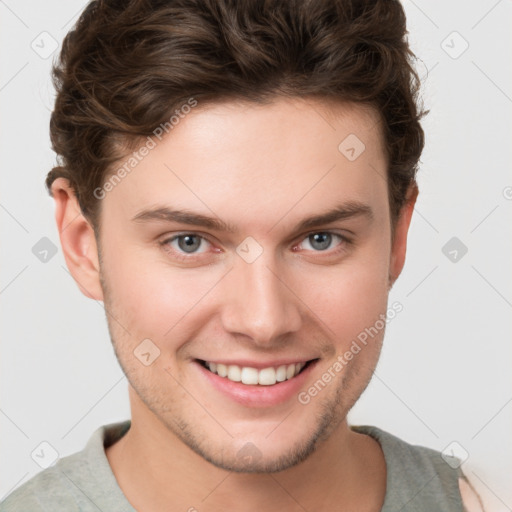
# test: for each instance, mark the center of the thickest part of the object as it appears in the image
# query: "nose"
(260, 304)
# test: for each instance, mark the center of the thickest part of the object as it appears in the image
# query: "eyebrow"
(343, 211)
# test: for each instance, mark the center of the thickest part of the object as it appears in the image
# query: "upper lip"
(259, 365)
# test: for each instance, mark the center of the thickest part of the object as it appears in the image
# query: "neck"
(157, 471)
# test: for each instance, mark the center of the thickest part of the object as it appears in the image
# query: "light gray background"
(445, 372)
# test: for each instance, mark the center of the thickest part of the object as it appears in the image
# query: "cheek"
(351, 297)
(153, 298)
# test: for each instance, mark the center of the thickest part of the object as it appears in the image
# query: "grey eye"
(189, 243)
(320, 241)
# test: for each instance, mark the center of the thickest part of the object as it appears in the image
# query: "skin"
(263, 169)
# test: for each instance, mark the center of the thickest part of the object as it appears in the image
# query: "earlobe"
(77, 240)
(399, 246)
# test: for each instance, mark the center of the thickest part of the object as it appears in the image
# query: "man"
(236, 184)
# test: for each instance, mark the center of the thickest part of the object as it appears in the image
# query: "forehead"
(275, 131)
(260, 160)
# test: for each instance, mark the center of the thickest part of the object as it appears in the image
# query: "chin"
(263, 450)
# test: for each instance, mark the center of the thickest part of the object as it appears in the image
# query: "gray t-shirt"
(418, 479)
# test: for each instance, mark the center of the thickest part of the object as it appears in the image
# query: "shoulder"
(77, 482)
(418, 478)
(45, 491)
(402, 456)
(470, 498)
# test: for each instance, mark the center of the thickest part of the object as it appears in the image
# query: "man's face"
(267, 294)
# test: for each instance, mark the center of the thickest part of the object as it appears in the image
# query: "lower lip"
(257, 395)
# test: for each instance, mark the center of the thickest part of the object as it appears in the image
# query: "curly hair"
(128, 64)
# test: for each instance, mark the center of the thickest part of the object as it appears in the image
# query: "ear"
(399, 245)
(77, 240)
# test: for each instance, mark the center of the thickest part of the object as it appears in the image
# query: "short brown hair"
(127, 65)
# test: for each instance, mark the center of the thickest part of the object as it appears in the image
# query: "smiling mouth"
(254, 377)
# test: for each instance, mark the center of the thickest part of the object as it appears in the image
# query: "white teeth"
(281, 373)
(267, 377)
(252, 376)
(249, 375)
(234, 373)
(222, 370)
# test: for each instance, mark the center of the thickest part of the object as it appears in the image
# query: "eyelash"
(344, 242)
